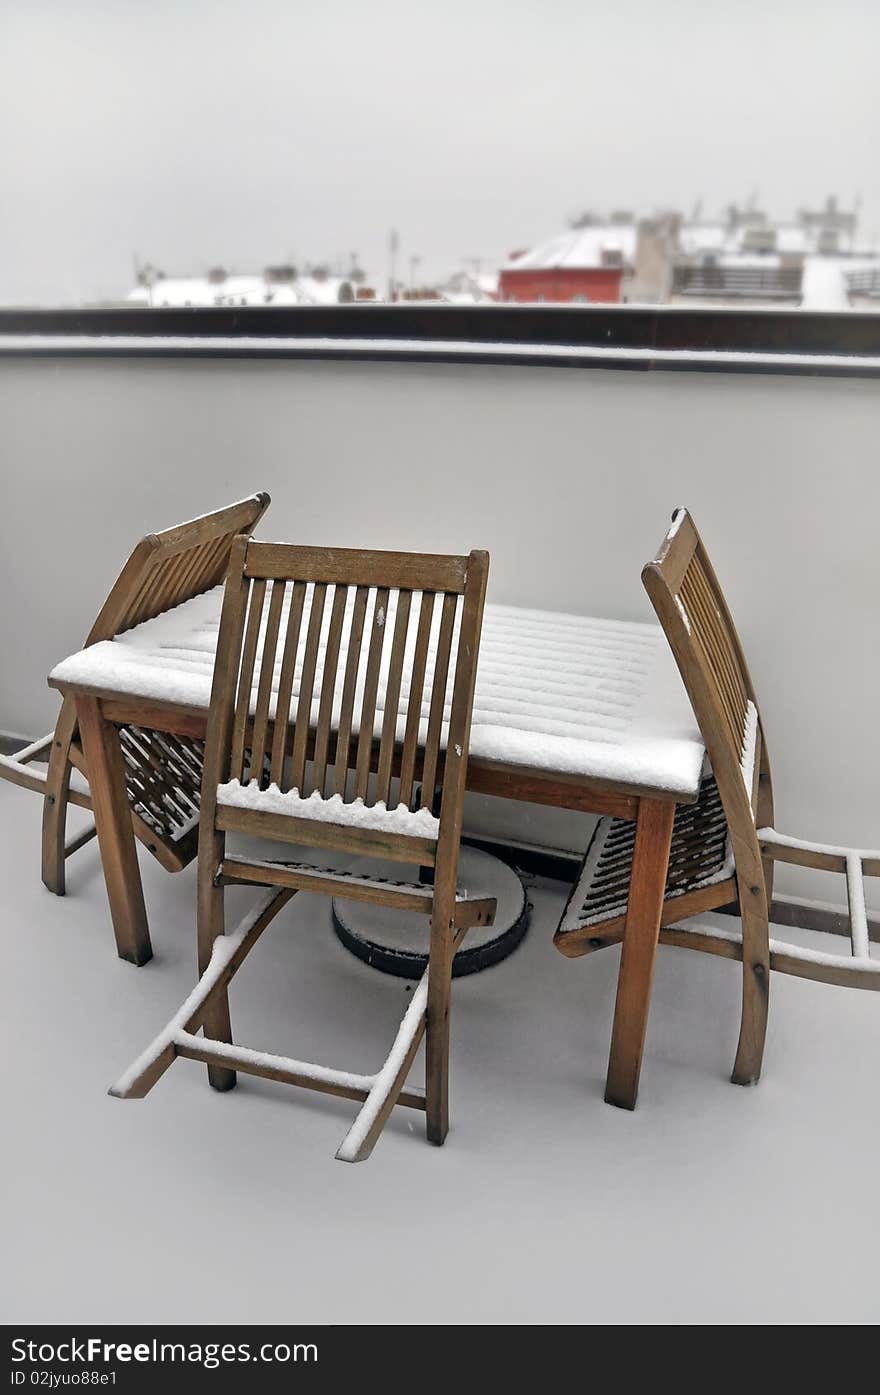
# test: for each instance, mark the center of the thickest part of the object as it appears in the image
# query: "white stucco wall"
(568, 477)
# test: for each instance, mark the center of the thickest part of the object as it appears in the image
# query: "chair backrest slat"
(267, 668)
(328, 687)
(392, 697)
(339, 674)
(349, 689)
(168, 568)
(285, 682)
(246, 677)
(379, 616)
(416, 689)
(439, 680)
(306, 687)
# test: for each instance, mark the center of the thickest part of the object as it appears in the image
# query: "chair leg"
(211, 923)
(112, 812)
(755, 997)
(640, 938)
(442, 950)
(55, 801)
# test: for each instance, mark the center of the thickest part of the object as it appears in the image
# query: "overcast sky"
(206, 131)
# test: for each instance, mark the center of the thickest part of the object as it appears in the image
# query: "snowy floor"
(709, 1204)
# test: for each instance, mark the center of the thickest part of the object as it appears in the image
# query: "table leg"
(640, 937)
(122, 877)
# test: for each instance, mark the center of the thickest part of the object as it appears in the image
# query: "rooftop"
(579, 248)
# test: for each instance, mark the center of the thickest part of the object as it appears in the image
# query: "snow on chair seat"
(375, 818)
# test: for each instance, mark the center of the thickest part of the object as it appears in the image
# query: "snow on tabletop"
(571, 694)
(377, 817)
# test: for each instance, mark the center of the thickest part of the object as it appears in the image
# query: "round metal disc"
(397, 941)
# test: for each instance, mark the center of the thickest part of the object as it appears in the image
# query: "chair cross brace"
(378, 1093)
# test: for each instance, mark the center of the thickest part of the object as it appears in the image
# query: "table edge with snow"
(570, 710)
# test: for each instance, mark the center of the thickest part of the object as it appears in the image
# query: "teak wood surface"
(692, 609)
(264, 593)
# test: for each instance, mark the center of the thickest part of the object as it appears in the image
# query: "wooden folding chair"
(331, 662)
(163, 772)
(724, 847)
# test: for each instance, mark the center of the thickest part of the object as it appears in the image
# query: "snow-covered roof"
(579, 248)
(825, 281)
(181, 291)
(466, 287)
(790, 239)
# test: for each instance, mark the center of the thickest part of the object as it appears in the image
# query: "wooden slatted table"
(570, 711)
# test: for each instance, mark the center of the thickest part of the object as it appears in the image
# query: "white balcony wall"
(568, 477)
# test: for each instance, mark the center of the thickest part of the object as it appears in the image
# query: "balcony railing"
(748, 282)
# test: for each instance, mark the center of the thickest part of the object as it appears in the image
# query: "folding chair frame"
(692, 609)
(260, 731)
(163, 772)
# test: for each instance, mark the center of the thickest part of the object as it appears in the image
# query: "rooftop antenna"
(393, 249)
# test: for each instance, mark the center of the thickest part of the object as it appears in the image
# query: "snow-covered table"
(561, 699)
(571, 711)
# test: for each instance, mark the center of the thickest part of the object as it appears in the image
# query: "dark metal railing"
(752, 282)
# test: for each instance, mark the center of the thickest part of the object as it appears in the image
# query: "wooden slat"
(239, 517)
(353, 567)
(326, 883)
(285, 681)
(392, 696)
(296, 778)
(842, 971)
(819, 858)
(349, 690)
(328, 688)
(283, 1070)
(378, 627)
(858, 915)
(397, 847)
(267, 675)
(439, 679)
(245, 677)
(414, 701)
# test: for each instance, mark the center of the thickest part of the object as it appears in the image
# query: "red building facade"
(558, 284)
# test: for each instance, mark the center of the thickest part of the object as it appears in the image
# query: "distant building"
(276, 285)
(583, 266)
(467, 287)
(748, 259)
